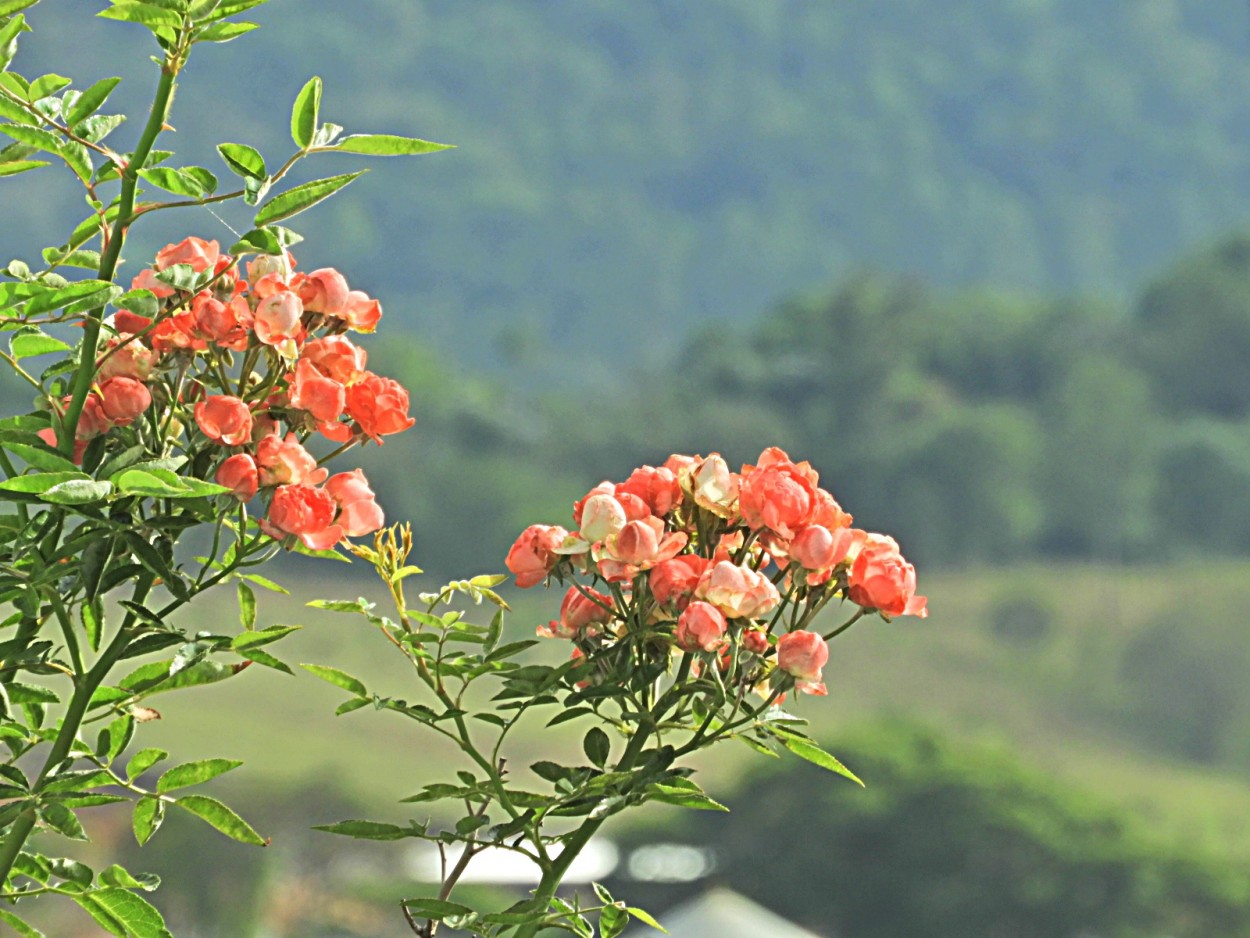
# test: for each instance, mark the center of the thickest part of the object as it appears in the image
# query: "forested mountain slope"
(628, 169)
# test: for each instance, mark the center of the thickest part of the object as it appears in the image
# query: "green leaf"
(684, 797)
(337, 678)
(806, 749)
(9, 7)
(124, 913)
(42, 458)
(20, 166)
(118, 735)
(247, 606)
(269, 661)
(117, 875)
(645, 918)
(143, 760)
(8, 37)
(243, 160)
(39, 483)
(302, 197)
(305, 114)
(265, 583)
(139, 482)
(30, 694)
(250, 640)
(62, 820)
(34, 343)
(194, 773)
(224, 32)
(146, 14)
(369, 830)
(177, 181)
(78, 158)
(148, 815)
(47, 85)
(22, 928)
(33, 137)
(221, 817)
(258, 241)
(77, 492)
(387, 145)
(91, 100)
(98, 291)
(436, 908)
(93, 609)
(597, 746)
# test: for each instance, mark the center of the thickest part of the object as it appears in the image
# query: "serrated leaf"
(224, 32)
(172, 180)
(41, 457)
(194, 773)
(91, 100)
(302, 197)
(337, 678)
(305, 114)
(47, 85)
(35, 343)
(77, 492)
(145, 14)
(220, 817)
(62, 820)
(20, 166)
(32, 137)
(645, 918)
(123, 913)
(78, 158)
(23, 929)
(387, 145)
(805, 749)
(39, 483)
(139, 482)
(243, 160)
(684, 797)
(143, 760)
(148, 814)
(369, 830)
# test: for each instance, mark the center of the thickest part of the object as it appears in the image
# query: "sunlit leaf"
(194, 773)
(386, 145)
(305, 114)
(302, 197)
(91, 100)
(221, 817)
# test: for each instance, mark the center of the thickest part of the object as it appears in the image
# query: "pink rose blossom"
(224, 419)
(533, 555)
(881, 579)
(359, 512)
(305, 512)
(286, 462)
(701, 627)
(239, 474)
(802, 654)
(738, 592)
(578, 613)
(123, 399)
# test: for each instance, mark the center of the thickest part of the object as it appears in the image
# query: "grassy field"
(1033, 657)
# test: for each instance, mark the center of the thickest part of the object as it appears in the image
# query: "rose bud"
(224, 419)
(239, 474)
(533, 555)
(881, 579)
(802, 654)
(701, 627)
(123, 399)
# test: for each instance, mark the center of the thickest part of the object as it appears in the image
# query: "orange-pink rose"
(125, 356)
(305, 512)
(239, 474)
(336, 357)
(198, 254)
(278, 319)
(362, 312)
(777, 494)
(701, 627)
(224, 419)
(312, 391)
(881, 579)
(359, 512)
(123, 399)
(658, 488)
(533, 555)
(379, 405)
(802, 654)
(739, 592)
(578, 612)
(673, 581)
(286, 462)
(638, 546)
(322, 291)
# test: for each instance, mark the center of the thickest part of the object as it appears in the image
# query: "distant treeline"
(982, 427)
(626, 170)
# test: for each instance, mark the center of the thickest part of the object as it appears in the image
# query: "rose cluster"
(246, 369)
(731, 567)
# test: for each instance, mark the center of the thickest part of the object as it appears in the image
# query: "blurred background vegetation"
(986, 266)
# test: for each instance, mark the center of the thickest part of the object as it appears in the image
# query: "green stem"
(70, 725)
(112, 250)
(554, 874)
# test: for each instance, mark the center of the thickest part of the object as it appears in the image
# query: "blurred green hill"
(629, 170)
